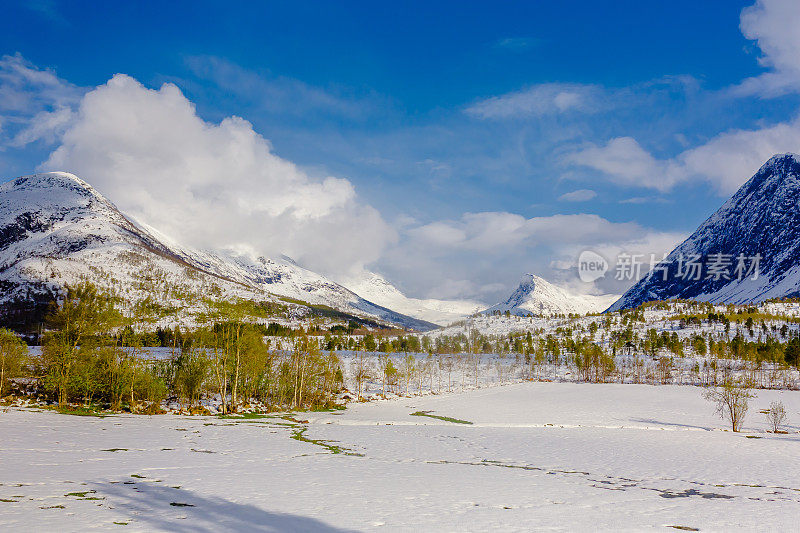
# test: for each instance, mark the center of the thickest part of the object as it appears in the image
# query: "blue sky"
(451, 147)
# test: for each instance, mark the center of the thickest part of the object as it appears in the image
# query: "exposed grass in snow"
(443, 418)
(81, 411)
(299, 434)
(244, 416)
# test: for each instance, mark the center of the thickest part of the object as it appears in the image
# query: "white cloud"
(496, 231)
(492, 249)
(726, 161)
(581, 195)
(44, 125)
(539, 100)
(34, 103)
(625, 162)
(515, 44)
(644, 200)
(213, 185)
(773, 25)
(277, 94)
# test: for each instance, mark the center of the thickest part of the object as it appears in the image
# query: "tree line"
(93, 353)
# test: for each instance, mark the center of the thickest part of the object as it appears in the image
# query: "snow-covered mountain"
(537, 296)
(762, 220)
(375, 288)
(55, 229)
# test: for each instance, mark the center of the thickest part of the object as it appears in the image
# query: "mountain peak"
(759, 226)
(50, 180)
(780, 159)
(49, 192)
(535, 295)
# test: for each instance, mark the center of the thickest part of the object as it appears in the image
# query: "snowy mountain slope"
(55, 229)
(284, 277)
(537, 296)
(375, 288)
(761, 220)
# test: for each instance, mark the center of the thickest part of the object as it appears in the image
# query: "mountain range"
(55, 229)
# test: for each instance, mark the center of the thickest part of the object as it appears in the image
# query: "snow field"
(557, 456)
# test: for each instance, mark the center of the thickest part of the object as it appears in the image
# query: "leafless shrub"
(732, 400)
(776, 416)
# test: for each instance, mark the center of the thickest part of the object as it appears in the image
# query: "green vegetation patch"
(443, 418)
(244, 416)
(80, 411)
(299, 434)
(84, 495)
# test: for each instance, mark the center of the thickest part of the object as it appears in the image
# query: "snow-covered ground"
(559, 456)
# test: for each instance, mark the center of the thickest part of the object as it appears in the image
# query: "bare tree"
(776, 416)
(360, 369)
(408, 369)
(383, 365)
(448, 363)
(431, 367)
(731, 400)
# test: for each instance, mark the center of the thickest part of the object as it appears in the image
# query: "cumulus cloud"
(773, 25)
(726, 161)
(581, 195)
(213, 185)
(481, 255)
(540, 100)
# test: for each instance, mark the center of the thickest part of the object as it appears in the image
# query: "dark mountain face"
(748, 251)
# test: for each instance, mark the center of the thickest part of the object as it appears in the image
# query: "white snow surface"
(535, 295)
(555, 456)
(377, 289)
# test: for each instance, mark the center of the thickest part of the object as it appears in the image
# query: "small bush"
(776, 416)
